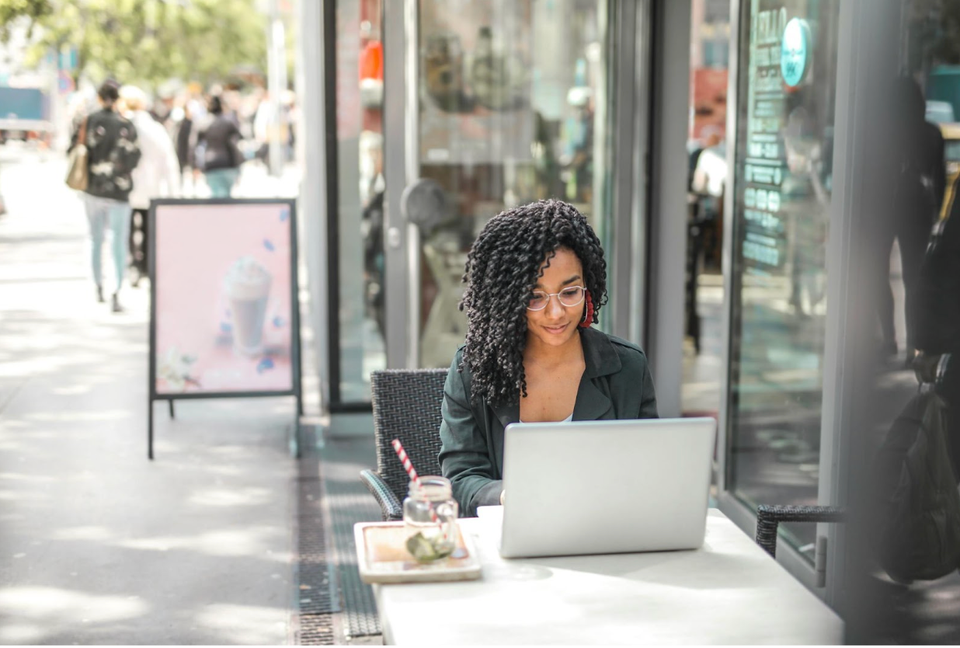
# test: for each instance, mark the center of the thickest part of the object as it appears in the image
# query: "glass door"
(355, 192)
(783, 153)
(493, 104)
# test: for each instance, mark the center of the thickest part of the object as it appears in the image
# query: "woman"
(156, 176)
(218, 152)
(536, 280)
(113, 152)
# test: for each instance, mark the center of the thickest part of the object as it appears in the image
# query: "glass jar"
(430, 514)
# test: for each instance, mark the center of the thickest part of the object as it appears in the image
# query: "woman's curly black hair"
(501, 271)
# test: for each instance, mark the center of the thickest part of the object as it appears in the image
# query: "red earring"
(587, 311)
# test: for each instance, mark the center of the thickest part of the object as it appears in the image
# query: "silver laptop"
(596, 487)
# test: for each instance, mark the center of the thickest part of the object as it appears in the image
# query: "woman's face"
(556, 324)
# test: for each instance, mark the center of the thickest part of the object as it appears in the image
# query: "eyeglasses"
(570, 296)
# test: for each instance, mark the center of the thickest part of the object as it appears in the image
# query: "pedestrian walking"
(156, 176)
(184, 136)
(218, 151)
(112, 155)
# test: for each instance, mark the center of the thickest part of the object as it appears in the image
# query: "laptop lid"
(594, 487)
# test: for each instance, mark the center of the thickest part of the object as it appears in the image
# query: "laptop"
(597, 487)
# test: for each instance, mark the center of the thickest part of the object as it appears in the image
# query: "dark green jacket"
(616, 384)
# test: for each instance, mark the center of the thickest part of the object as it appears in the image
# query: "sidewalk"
(98, 544)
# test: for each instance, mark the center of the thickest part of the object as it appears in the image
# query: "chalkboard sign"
(224, 318)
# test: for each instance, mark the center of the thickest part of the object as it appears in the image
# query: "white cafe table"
(727, 592)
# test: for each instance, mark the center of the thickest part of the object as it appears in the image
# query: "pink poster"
(223, 288)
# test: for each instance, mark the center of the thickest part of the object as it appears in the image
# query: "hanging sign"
(795, 51)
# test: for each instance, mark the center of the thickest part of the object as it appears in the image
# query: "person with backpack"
(915, 176)
(938, 317)
(112, 154)
(918, 463)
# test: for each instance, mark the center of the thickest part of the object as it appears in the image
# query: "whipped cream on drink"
(247, 287)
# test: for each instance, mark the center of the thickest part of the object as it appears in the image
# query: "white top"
(728, 592)
(157, 175)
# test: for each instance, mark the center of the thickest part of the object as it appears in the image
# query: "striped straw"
(414, 477)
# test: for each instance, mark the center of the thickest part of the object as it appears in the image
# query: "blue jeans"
(101, 213)
(221, 181)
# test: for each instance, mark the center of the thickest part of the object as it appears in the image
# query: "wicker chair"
(406, 406)
(769, 518)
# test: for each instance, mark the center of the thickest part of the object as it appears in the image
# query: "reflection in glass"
(706, 190)
(360, 193)
(783, 188)
(914, 335)
(513, 108)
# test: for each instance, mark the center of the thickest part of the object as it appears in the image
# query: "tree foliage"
(147, 41)
(13, 10)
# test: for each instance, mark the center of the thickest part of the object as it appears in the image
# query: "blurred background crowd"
(176, 57)
(184, 111)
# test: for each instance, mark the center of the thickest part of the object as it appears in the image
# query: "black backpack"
(920, 506)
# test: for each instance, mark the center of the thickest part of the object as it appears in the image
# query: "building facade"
(439, 114)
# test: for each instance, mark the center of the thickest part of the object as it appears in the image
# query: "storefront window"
(706, 190)
(359, 190)
(783, 180)
(514, 107)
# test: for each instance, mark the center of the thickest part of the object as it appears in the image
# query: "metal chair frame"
(769, 518)
(406, 406)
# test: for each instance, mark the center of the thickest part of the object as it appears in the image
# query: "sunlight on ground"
(72, 390)
(20, 496)
(243, 497)
(37, 479)
(244, 624)
(82, 533)
(20, 633)
(25, 368)
(249, 542)
(104, 415)
(48, 607)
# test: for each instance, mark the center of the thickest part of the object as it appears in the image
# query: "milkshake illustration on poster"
(224, 288)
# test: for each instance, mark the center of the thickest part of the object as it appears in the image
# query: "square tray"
(382, 556)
